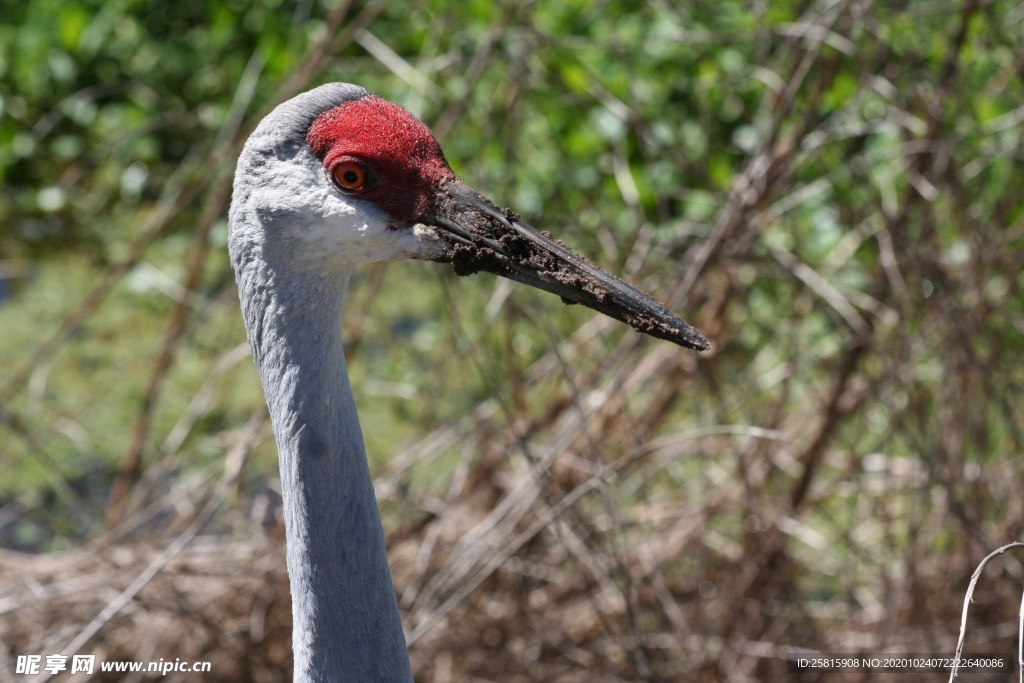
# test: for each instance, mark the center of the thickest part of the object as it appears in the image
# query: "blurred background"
(831, 190)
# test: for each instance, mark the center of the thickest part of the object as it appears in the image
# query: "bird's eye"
(350, 176)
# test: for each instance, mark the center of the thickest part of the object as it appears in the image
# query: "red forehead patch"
(401, 153)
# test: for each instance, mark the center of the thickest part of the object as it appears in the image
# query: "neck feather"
(346, 620)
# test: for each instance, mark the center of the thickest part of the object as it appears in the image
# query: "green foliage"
(850, 174)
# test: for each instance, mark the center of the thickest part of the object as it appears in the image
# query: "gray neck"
(346, 620)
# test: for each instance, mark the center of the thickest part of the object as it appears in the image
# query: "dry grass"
(825, 479)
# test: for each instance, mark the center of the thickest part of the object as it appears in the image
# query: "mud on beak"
(483, 237)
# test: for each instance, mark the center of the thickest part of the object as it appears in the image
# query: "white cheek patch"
(324, 230)
(431, 245)
(350, 232)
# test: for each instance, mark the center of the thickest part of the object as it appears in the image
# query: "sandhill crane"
(330, 179)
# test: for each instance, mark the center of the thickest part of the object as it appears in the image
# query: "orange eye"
(350, 176)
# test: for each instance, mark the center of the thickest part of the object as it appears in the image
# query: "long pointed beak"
(483, 237)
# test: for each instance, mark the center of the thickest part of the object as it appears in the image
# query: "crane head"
(361, 179)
